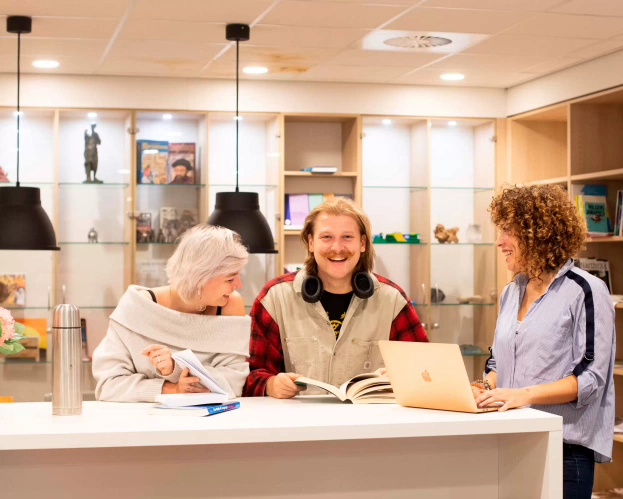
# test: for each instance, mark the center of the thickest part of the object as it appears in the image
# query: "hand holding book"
(282, 386)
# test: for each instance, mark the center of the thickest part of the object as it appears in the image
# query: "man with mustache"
(324, 322)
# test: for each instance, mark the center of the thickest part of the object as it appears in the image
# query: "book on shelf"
(618, 217)
(152, 159)
(320, 169)
(367, 388)
(174, 222)
(144, 230)
(12, 290)
(598, 268)
(196, 410)
(182, 164)
(591, 201)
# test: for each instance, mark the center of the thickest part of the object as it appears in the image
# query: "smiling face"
(509, 245)
(337, 245)
(216, 291)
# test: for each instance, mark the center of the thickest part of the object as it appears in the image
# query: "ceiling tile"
(163, 51)
(173, 31)
(521, 5)
(571, 26)
(155, 66)
(498, 79)
(278, 55)
(597, 49)
(375, 40)
(382, 58)
(487, 62)
(370, 74)
(331, 14)
(65, 8)
(458, 20)
(285, 36)
(222, 11)
(552, 65)
(592, 7)
(71, 65)
(529, 45)
(53, 48)
(59, 27)
(376, 2)
(276, 71)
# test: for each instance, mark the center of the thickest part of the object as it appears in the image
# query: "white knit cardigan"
(124, 375)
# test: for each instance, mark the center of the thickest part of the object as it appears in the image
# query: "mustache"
(332, 255)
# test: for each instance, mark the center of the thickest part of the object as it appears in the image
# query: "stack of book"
(618, 215)
(298, 206)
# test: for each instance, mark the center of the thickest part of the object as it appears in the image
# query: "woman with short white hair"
(199, 310)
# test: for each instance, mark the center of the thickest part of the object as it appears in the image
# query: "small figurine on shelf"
(471, 300)
(161, 238)
(437, 295)
(444, 235)
(91, 141)
(93, 235)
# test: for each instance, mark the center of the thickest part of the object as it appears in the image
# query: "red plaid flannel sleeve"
(406, 326)
(266, 353)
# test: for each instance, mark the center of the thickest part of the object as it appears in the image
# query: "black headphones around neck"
(362, 283)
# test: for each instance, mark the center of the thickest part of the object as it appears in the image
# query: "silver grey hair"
(203, 253)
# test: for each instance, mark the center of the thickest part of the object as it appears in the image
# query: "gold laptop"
(429, 376)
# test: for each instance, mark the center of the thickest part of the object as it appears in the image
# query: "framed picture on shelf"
(182, 163)
(153, 156)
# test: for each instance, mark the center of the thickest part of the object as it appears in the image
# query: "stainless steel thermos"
(66, 361)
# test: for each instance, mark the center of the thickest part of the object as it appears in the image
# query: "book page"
(186, 358)
(334, 390)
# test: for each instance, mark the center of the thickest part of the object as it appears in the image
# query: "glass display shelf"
(92, 184)
(408, 187)
(12, 309)
(86, 243)
(156, 244)
(462, 244)
(27, 184)
(451, 188)
(171, 185)
(241, 186)
(376, 243)
(453, 304)
(475, 354)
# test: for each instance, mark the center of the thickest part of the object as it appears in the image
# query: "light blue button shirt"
(551, 344)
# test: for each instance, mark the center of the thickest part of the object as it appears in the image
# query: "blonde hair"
(340, 206)
(203, 253)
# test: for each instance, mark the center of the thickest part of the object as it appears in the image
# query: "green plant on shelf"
(396, 238)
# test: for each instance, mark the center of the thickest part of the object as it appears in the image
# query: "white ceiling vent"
(417, 42)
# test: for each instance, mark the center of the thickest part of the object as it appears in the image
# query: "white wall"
(592, 76)
(269, 96)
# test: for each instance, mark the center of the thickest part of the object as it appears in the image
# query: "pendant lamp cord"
(237, 118)
(18, 108)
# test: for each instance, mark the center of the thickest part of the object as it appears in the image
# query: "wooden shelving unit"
(579, 143)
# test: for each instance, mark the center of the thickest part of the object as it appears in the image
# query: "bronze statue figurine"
(91, 141)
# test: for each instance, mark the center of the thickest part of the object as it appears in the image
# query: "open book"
(370, 388)
(187, 359)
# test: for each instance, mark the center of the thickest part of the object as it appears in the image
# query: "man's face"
(180, 171)
(337, 245)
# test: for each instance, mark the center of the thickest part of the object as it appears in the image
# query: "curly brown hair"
(547, 224)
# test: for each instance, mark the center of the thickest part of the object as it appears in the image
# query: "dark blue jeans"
(578, 471)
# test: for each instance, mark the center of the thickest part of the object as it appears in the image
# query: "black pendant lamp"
(24, 224)
(240, 211)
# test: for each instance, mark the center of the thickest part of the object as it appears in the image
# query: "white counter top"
(107, 424)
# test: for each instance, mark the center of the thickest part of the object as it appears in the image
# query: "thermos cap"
(66, 316)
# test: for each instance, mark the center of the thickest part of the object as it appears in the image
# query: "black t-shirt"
(336, 306)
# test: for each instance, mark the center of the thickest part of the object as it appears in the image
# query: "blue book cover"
(193, 410)
(152, 159)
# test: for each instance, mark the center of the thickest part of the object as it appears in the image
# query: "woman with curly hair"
(554, 339)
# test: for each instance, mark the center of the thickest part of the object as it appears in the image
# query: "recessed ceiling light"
(239, 118)
(417, 41)
(167, 116)
(46, 64)
(452, 123)
(452, 77)
(255, 70)
(16, 113)
(386, 122)
(92, 115)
